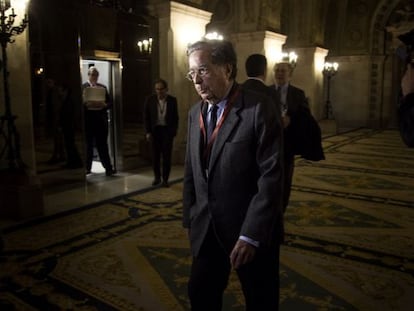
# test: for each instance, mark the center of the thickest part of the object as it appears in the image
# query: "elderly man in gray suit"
(232, 200)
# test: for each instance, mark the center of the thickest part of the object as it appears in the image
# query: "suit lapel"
(167, 107)
(226, 129)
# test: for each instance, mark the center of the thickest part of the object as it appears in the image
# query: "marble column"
(179, 25)
(308, 76)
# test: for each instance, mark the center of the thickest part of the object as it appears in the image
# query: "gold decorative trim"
(106, 54)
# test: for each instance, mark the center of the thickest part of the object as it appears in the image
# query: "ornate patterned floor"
(349, 242)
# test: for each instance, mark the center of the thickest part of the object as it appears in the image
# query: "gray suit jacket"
(242, 193)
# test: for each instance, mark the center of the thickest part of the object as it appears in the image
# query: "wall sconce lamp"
(329, 70)
(39, 71)
(11, 148)
(145, 46)
(290, 58)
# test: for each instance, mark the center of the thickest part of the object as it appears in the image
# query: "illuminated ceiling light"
(213, 36)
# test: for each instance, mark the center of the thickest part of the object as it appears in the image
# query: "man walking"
(232, 184)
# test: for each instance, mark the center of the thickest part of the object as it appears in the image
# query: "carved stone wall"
(237, 16)
(269, 17)
(356, 29)
(304, 22)
(223, 15)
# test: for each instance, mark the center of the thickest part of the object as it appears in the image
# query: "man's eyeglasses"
(200, 72)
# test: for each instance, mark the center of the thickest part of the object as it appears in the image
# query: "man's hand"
(285, 121)
(148, 136)
(241, 254)
(407, 82)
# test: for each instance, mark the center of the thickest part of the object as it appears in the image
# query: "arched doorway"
(392, 19)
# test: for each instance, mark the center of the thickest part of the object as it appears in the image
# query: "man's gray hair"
(221, 52)
(92, 69)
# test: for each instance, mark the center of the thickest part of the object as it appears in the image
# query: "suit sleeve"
(265, 208)
(188, 184)
(301, 116)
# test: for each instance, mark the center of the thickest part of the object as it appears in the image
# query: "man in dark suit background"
(256, 69)
(232, 184)
(406, 107)
(302, 135)
(161, 124)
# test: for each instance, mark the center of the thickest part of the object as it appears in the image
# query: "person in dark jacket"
(406, 108)
(161, 124)
(302, 134)
(96, 120)
(256, 69)
(232, 201)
